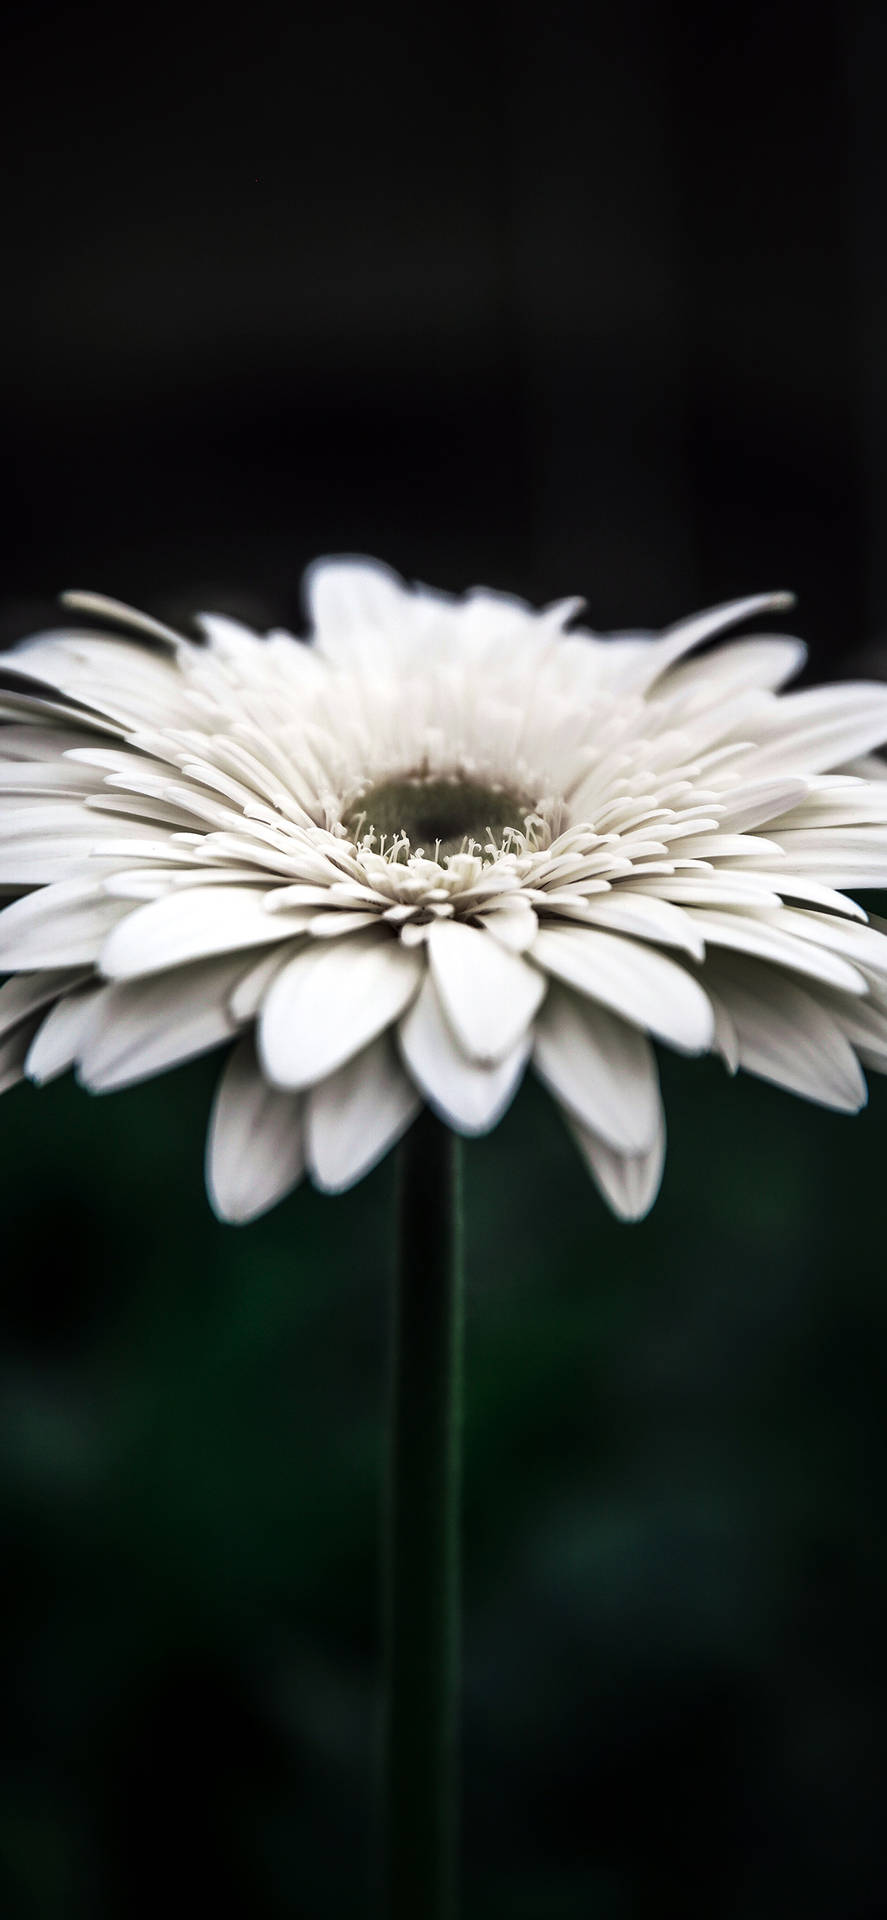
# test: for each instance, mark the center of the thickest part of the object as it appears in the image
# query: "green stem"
(421, 1568)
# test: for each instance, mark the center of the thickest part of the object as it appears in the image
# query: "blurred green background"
(675, 1473)
(589, 300)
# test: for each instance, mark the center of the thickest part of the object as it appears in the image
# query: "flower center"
(437, 813)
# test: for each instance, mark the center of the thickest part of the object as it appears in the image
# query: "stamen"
(403, 818)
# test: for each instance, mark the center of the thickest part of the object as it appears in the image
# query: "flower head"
(442, 840)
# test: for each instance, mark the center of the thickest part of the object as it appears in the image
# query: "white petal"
(513, 922)
(63, 816)
(469, 1097)
(488, 994)
(352, 1118)
(142, 1027)
(254, 1147)
(253, 985)
(821, 727)
(127, 616)
(838, 856)
(190, 925)
(756, 801)
(786, 1036)
(63, 925)
(723, 887)
(122, 680)
(150, 883)
(679, 639)
(864, 946)
(56, 1043)
(739, 886)
(44, 777)
(864, 1023)
(345, 598)
(19, 707)
(765, 939)
(43, 839)
(726, 1040)
(836, 800)
(26, 993)
(647, 918)
(332, 924)
(41, 743)
(13, 1050)
(600, 1068)
(629, 1183)
(225, 634)
(331, 1000)
(642, 985)
(762, 661)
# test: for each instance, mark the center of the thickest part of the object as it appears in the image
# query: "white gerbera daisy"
(443, 840)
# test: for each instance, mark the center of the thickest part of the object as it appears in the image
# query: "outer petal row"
(261, 1140)
(328, 1088)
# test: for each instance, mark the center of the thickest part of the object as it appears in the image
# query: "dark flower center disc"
(441, 814)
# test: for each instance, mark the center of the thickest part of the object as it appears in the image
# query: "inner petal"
(435, 813)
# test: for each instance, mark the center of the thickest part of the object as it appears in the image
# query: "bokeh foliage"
(675, 1476)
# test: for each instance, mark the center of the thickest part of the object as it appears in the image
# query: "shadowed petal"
(26, 993)
(353, 1117)
(141, 1027)
(783, 1034)
(191, 924)
(331, 1000)
(56, 1044)
(63, 925)
(600, 1068)
(629, 1182)
(488, 994)
(630, 979)
(254, 1147)
(468, 1096)
(13, 1052)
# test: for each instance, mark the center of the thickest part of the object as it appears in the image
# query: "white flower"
(443, 840)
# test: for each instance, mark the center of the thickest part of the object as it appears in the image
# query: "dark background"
(593, 301)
